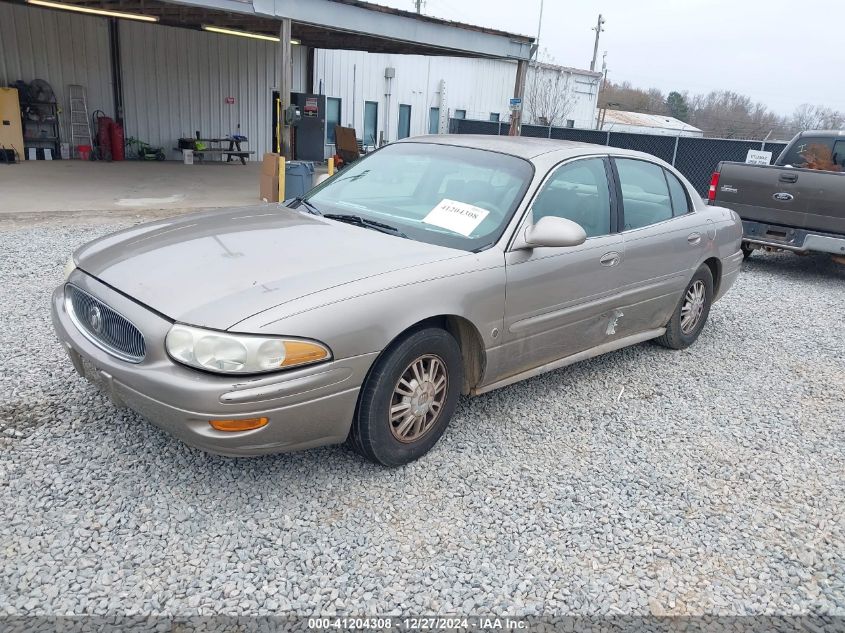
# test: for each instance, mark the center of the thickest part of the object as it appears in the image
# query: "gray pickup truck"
(797, 204)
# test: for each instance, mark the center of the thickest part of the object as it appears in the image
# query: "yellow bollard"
(281, 178)
(331, 166)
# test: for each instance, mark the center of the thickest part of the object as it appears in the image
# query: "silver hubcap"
(418, 398)
(693, 306)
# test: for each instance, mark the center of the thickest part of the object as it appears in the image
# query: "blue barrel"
(299, 178)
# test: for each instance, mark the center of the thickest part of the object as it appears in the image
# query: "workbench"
(234, 149)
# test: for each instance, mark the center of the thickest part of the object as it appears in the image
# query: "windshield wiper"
(370, 224)
(302, 202)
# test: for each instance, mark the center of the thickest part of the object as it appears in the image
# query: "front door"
(562, 300)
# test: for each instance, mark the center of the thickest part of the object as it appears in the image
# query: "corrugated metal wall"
(62, 48)
(479, 86)
(175, 81)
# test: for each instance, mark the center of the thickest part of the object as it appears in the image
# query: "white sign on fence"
(757, 157)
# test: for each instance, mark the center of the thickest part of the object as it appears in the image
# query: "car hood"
(217, 268)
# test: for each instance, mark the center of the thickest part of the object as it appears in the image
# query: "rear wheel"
(691, 314)
(408, 398)
(747, 250)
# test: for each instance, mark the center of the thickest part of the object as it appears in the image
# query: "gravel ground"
(712, 484)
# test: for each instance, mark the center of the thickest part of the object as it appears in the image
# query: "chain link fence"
(695, 157)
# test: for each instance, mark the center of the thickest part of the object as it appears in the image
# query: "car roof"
(521, 146)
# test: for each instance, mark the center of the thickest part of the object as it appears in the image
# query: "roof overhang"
(334, 24)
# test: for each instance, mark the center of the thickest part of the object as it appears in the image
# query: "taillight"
(714, 182)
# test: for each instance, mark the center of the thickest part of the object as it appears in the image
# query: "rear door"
(562, 300)
(664, 242)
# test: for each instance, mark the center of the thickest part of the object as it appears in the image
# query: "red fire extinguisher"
(117, 147)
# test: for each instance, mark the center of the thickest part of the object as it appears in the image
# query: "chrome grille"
(103, 326)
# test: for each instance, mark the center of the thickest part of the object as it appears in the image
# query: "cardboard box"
(269, 179)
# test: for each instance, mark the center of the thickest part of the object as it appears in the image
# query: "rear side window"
(810, 152)
(645, 194)
(678, 194)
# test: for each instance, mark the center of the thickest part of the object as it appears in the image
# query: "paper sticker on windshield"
(459, 217)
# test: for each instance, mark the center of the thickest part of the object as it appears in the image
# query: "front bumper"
(307, 407)
(792, 239)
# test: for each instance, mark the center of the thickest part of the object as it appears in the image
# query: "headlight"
(70, 266)
(226, 353)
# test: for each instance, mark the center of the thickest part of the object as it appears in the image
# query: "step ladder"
(80, 126)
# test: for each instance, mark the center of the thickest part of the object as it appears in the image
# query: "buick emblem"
(783, 196)
(95, 319)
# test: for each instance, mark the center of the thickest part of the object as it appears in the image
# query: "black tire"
(371, 433)
(746, 250)
(675, 336)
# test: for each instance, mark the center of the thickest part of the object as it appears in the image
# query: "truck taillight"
(714, 182)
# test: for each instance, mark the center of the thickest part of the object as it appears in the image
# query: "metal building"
(664, 125)
(167, 76)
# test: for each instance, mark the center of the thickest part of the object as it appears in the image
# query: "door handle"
(694, 238)
(609, 259)
(788, 178)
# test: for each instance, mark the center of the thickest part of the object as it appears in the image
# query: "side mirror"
(551, 231)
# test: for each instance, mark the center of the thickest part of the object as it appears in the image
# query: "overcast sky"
(780, 52)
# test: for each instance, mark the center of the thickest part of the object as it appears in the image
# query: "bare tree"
(549, 94)
(816, 117)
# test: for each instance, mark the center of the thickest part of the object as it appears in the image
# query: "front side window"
(332, 118)
(578, 191)
(403, 184)
(645, 194)
(839, 155)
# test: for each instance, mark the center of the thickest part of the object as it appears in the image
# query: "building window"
(434, 120)
(332, 118)
(570, 123)
(494, 116)
(460, 114)
(404, 120)
(370, 122)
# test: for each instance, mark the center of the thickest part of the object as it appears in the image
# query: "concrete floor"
(71, 185)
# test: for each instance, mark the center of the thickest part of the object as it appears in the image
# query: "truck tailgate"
(800, 198)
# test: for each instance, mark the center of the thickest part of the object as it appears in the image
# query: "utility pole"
(539, 27)
(598, 29)
(418, 4)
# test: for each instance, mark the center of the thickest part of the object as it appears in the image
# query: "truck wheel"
(689, 317)
(747, 249)
(408, 398)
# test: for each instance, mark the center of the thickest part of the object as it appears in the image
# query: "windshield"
(450, 196)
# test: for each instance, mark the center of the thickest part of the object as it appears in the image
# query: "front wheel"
(689, 317)
(408, 398)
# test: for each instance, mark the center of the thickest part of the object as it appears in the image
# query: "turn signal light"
(238, 425)
(300, 352)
